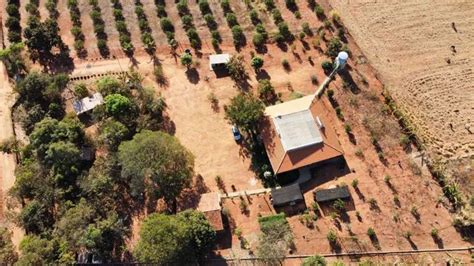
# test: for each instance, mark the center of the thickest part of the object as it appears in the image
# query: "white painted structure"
(218, 60)
(88, 103)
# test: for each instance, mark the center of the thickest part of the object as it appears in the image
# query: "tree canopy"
(117, 104)
(157, 164)
(245, 111)
(41, 37)
(174, 239)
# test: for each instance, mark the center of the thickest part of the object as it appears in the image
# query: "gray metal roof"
(332, 194)
(87, 103)
(286, 195)
(297, 130)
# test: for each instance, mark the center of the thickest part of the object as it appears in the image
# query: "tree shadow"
(347, 78)
(375, 241)
(261, 49)
(193, 75)
(412, 244)
(359, 194)
(262, 74)
(438, 241)
(352, 138)
(168, 125)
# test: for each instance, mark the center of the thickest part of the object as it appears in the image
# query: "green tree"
(35, 217)
(315, 260)
(33, 87)
(105, 236)
(236, 68)
(109, 85)
(186, 60)
(73, 224)
(8, 254)
(245, 111)
(37, 251)
(257, 63)
(174, 239)
(334, 47)
(117, 104)
(64, 159)
(41, 37)
(266, 92)
(112, 133)
(13, 60)
(157, 164)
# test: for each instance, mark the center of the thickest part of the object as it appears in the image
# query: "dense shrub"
(254, 16)
(147, 38)
(99, 27)
(231, 19)
(238, 35)
(13, 22)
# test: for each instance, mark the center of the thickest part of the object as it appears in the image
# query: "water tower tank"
(341, 59)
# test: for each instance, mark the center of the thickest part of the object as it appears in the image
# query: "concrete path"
(244, 193)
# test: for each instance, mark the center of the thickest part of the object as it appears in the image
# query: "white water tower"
(341, 60)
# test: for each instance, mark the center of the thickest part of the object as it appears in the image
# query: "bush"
(182, 7)
(327, 66)
(314, 79)
(186, 59)
(434, 233)
(166, 24)
(339, 205)
(332, 237)
(80, 90)
(266, 92)
(258, 39)
(204, 6)
(238, 35)
(285, 64)
(277, 18)
(355, 182)
(306, 28)
(187, 22)
(225, 6)
(231, 19)
(254, 16)
(257, 63)
(210, 21)
(269, 4)
(334, 47)
(315, 260)
(319, 11)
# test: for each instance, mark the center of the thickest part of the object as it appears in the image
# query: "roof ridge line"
(325, 143)
(282, 159)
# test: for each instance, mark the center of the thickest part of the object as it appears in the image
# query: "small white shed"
(218, 61)
(88, 103)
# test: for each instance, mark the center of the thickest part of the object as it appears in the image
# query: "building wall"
(290, 210)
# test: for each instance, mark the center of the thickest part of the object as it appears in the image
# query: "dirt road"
(7, 161)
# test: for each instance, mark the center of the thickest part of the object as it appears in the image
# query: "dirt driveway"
(7, 161)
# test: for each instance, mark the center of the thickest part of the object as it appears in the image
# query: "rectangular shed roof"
(88, 103)
(286, 195)
(332, 194)
(218, 59)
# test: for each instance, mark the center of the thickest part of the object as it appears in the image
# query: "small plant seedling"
(332, 237)
(371, 232)
(414, 211)
(387, 179)
(396, 200)
(348, 128)
(355, 183)
(407, 235)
